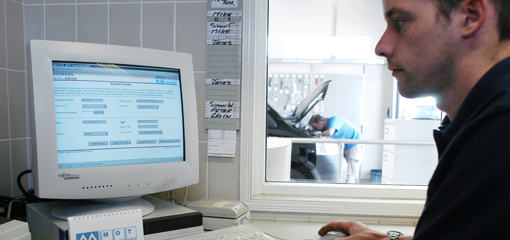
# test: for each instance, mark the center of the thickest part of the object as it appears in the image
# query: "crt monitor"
(110, 123)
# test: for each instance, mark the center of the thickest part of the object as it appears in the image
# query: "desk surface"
(294, 230)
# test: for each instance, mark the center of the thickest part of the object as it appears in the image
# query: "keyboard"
(244, 231)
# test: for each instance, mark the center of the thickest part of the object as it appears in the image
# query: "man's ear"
(474, 13)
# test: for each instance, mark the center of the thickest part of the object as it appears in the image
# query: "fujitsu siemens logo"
(68, 176)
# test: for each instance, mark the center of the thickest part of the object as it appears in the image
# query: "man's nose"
(385, 46)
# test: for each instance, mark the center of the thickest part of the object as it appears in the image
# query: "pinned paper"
(221, 109)
(222, 81)
(221, 143)
(224, 27)
(224, 3)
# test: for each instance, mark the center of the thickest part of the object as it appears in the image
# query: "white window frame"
(299, 198)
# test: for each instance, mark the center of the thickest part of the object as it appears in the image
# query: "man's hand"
(354, 230)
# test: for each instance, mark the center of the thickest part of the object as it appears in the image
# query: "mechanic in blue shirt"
(338, 127)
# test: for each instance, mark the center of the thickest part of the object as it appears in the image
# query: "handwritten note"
(223, 3)
(224, 27)
(224, 42)
(222, 81)
(224, 15)
(221, 143)
(224, 30)
(221, 109)
(225, 33)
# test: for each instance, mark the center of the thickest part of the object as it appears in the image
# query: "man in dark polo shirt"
(458, 52)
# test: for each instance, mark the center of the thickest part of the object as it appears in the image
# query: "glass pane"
(321, 60)
(419, 108)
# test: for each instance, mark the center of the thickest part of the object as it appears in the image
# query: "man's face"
(319, 126)
(419, 45)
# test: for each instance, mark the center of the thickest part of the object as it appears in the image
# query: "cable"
(18, 180)
(9, 210)
(4, 204)
(18, 210)
(185, 195)
(173, 199)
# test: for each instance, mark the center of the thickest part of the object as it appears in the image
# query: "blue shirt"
(344, 129)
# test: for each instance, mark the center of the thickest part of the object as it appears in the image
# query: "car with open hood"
(283, 123)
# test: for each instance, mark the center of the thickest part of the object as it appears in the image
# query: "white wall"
(325, 29)
(162, 24)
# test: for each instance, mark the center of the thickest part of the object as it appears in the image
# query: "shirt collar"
(495, 80)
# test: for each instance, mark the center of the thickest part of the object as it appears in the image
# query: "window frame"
(300, 199)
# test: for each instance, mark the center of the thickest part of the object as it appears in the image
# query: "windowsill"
(288, 229)
(315, 205)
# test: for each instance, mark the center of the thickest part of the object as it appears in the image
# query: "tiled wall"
(162, 24)
(13, 103)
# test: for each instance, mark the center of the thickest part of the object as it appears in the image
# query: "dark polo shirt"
(469, 194)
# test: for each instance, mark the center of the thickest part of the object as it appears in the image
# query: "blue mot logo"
(88, 236)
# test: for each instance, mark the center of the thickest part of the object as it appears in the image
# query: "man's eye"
(399, 23)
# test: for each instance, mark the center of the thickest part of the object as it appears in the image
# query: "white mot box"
(168, 221)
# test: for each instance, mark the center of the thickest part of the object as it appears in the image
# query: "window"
(420, 108)
(298, 197)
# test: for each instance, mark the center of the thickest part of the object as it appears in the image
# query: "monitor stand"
(83, 207)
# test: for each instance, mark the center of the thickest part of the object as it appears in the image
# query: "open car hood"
(303, 108)
(315, 96)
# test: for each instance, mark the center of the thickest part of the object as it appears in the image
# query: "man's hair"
(316, 119)
(502, 7)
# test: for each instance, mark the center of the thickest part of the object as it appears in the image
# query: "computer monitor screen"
(111, 114)
(110, 123)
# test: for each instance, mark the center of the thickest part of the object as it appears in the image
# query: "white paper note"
(223, 3)
(221, 109)
(221, 143)
(222, 81)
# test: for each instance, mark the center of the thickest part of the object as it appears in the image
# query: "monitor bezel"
(104, 182)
